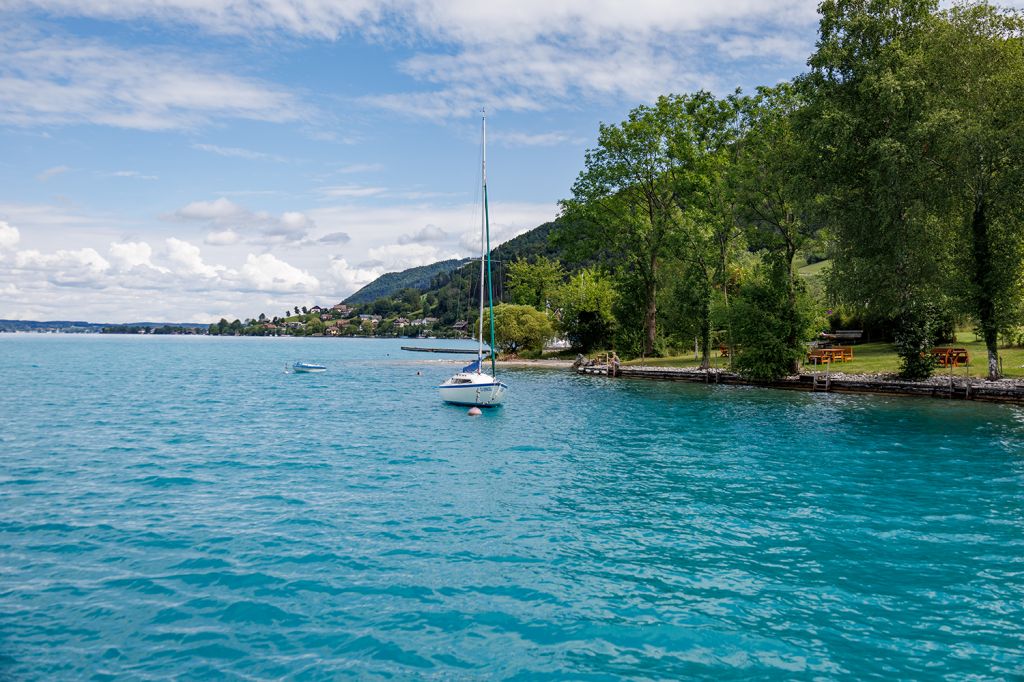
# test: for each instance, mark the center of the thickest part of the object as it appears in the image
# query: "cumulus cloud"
(222, 238)
(65, 267)
(9, 235)
(401, 256)
(188, 258)
(130, 255)
(269, 273)
(349, 279)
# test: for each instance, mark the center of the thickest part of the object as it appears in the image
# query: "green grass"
(878, 358)
(814, 268)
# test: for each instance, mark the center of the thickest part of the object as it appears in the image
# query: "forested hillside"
(415, 278)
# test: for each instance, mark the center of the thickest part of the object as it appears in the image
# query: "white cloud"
(218, 209)
(133, 174)
(9, 235)
(52, 173)
(514, 138)
(222, 238)
(351, 191)
(133, 255)
(349, 279)
(396, 257)
(429, 233)
(290, 227)
(238, 152)
(387, 224)
(268, 273)
(65, 267)
(189, 259)
(62, 81)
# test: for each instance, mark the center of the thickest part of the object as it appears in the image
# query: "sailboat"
(474, 386)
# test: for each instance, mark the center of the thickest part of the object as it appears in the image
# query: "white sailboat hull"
(478, 390)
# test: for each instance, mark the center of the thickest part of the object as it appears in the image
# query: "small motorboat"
(307, 367)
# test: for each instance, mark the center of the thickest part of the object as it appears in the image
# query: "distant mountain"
(393, 282)
(529, 245)
(80, 326)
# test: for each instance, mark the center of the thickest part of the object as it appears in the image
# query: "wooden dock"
(457, 351)
(957, 389)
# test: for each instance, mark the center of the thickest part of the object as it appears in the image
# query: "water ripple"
(232, 521)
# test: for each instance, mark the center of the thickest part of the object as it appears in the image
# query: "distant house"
(315, 309)
(375, 319)
(332, 331)
(402, 321)
(430, 320)
(325, 317)
(460, 326)
(341, 309)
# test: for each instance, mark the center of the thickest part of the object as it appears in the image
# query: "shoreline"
(1007, 391)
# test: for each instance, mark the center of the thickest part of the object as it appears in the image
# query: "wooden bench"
(951, 357)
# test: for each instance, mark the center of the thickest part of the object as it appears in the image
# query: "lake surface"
(182, 507)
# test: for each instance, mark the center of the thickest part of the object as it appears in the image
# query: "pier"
(457, 351)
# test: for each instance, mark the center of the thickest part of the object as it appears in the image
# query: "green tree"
(586, 305)
(624, 202)
(534, 283)
(768, 313)
(973, 70)
(865, 114)
(770, 181)
(519, 327)
(314, 326)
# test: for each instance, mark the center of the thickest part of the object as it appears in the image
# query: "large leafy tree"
(519, 327)
(703, 146)
(973, 70)
(624, 201)
(535, 283)
(586, 304)
(865, 117)
(770, 184)
(646, 195)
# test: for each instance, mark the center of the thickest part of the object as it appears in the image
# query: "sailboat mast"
(487, 232)
(483, 228)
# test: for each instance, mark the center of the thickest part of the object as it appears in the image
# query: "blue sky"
(186, 160)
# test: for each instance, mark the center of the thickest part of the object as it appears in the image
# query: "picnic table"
(951, 357)
(830, 355)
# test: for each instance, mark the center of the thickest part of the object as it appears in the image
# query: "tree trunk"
(651, 311)
(705, 328)
(982, 274)
(792, 333)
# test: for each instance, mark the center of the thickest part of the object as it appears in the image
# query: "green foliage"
(519, 327)
(586, 304)
(770, 322)
(393, 283)
(534, 283)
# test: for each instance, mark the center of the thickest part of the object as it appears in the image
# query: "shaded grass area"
(879, 358)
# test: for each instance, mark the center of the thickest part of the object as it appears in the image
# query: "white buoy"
(475, 412)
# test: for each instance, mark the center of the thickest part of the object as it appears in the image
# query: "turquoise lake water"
(182, 507)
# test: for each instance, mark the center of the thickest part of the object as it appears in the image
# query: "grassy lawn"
(880, 357)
